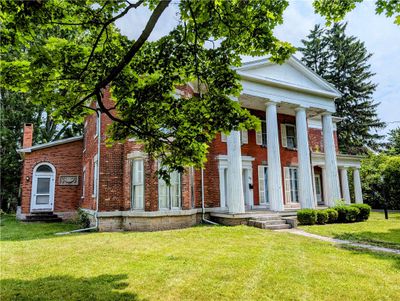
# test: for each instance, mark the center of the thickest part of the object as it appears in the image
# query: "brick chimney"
(28, 135)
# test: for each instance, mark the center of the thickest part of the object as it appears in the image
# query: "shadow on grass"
(389, 239)
(104, 287)
(393, 258)
(14, 230)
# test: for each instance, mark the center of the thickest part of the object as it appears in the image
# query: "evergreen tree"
(342, 60)
(394, 141)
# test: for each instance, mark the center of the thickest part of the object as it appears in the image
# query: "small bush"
(83, 219)
(365, 210)
(307, 216)
(322, 217)
(332, 215)
(352, 214)
(341, 210)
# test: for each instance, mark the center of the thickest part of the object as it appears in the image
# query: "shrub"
(322, 217)
(332, 215)
(365, 210)
(83, 219)
(352, 214)
(341, 210)
(307, 216)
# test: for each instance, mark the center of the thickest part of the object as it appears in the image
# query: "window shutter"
(223, 137)
(259, 137)
(261, 186)
(286, 172)
(244, 136)
(283, 135)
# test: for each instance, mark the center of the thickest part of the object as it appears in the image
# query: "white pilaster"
(235, 198)
(303, 152)
(222, 196)
(324, 186)
(332, 177)
(274, 159)
(345, 185)
(357, 186)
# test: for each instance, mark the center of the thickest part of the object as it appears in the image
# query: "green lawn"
(200, 263)
(375, 231)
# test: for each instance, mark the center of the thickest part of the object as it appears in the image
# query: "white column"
(222, 195)
(357, 186)
(235, 198)
(345, 185)
(332, 177)
(314, 186)
(303, 152)
(324, 185)
(274, 159)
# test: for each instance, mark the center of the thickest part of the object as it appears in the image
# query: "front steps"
(44, 217)
(259, 219)
(273, 222)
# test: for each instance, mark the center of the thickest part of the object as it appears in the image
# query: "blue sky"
(381, 37)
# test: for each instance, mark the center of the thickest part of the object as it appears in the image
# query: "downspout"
(95, 227)
(202, 201)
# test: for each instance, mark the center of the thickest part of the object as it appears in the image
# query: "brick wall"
(316, 142)
(66, 158)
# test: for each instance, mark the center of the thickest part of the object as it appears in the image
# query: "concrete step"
(45, 217)
(277, 227)
(254, 222)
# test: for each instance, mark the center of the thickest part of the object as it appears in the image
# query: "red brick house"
(292, 163)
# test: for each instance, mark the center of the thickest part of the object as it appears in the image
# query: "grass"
(199, 263)
(375, 231)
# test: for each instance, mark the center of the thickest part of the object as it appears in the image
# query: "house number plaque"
(69, 180)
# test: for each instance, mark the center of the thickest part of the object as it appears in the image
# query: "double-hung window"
(291, 184)
(263, 184)
(137, 185)
(288, 133)
(95, 175)
(261, 136)
(169, 196)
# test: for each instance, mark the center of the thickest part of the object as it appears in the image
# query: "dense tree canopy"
(343, 61)
(64, 53)
(394, 141)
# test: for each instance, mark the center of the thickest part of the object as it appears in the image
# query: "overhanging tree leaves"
(72, 51)
(66, 52)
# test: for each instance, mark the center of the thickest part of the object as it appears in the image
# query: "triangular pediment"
(292, 73)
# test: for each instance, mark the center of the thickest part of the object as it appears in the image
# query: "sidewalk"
(340, 241)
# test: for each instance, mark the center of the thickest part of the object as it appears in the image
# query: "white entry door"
(318, 190)
(43, 188)
(247, 181)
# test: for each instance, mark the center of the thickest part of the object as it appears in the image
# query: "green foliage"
(335, 10)
(83, 219)
(332, 215)
(307, 216)
(365, 211)
(342, 60)
(380, 179)
(322, 217)
(352, 214)
(341, 210)
(76, 52)
(394, 142)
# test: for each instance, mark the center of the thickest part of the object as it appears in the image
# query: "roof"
(49, 144)
(322, 87)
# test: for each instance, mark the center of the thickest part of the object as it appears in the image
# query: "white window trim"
(262, 190)
(284, 135)
(95, 180)
(288, 184)
(83, 182)
(168, 195)
(133, 184)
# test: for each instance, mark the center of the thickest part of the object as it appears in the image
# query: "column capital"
(326, 113)
(271, 102)
(301, 108)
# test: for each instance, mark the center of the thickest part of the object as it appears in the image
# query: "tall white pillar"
(306, 195)
(274, 159)
(345, 185)
(357, 186)
(235, 198)
(332, 177)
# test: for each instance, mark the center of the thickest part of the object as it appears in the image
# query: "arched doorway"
(43, 184)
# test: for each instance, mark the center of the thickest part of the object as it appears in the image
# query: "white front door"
(318, 190)
(42, 191)
(247, 181)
